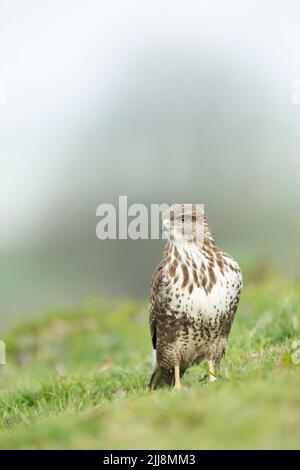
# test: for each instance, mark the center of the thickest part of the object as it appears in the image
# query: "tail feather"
(161, 378)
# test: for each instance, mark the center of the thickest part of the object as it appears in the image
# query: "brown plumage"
(195, 292)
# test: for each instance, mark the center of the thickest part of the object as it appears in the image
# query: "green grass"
(78, 379)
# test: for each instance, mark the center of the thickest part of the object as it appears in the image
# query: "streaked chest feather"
(200, 282)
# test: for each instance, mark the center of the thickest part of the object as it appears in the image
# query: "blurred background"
(162, 101)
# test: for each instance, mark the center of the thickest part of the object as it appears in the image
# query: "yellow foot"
(177, 385)
(211, 371)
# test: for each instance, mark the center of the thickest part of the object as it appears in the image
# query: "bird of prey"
(195, 292)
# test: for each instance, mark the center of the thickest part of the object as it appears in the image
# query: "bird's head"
(184, 223)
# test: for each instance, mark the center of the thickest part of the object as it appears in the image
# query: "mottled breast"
(203, 289)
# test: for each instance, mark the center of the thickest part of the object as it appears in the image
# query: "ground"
(78, 379)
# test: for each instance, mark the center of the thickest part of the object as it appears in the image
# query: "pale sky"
(60, 60)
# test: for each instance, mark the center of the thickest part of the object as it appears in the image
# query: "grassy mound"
(78, 379)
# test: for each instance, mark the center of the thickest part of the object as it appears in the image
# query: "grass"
(78, 379)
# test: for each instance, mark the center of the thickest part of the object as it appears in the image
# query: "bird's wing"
(233, 305)
(156, 285)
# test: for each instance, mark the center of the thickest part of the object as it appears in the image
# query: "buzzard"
(195, 292)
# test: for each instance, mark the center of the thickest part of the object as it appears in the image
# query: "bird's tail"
(161, 378)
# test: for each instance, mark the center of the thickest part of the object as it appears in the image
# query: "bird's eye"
(184, 218)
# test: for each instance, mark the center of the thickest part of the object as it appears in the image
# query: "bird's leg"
(211, 371)
(177, 385)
